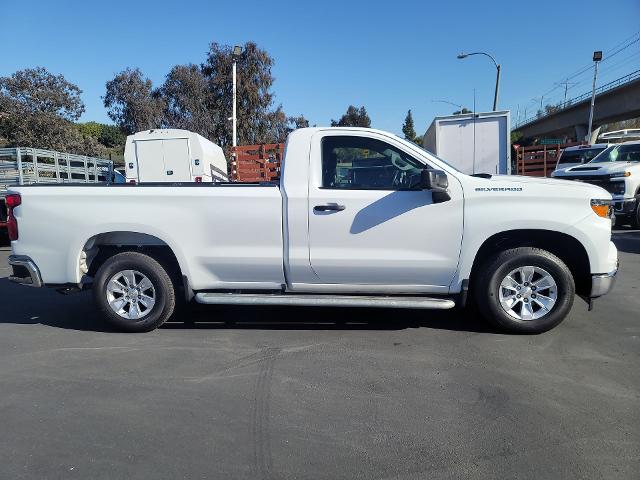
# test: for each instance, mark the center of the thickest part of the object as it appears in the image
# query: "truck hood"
(545, 186)
(589, 169)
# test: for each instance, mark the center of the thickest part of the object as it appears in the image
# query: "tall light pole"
(597, 57)
(237, 51)
(495, 96)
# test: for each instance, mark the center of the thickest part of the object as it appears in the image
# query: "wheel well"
(99, 248)
(564, 246)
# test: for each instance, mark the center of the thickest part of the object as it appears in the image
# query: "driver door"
(370, 229)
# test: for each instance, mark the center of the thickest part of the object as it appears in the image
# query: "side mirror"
(437, 182)
(434, 180)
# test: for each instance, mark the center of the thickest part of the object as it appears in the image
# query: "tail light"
(12, 201)
(198, 179)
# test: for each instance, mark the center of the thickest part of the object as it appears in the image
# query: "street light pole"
(237, 50)
(498, 69)
(597, 57)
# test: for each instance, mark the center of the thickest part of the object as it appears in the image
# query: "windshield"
(619, 153)
(438, 158)
(583, 155)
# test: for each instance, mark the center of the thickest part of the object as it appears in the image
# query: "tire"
(635, 216)
(141, 312)
(494, 289)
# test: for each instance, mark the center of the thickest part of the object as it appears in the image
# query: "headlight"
(602, 208)
(620, 175)
(617, 188)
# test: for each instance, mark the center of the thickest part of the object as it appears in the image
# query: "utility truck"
(358, 218)
(173, 155)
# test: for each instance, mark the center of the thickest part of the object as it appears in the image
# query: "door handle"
(331, 207)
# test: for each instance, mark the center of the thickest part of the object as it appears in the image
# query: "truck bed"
(214, 228)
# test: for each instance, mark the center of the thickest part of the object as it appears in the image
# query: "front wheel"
(524, 290)
(134, 292)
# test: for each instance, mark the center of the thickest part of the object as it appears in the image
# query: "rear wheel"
(134, 292)
(524, 290)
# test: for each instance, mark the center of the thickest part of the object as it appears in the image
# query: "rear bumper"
(602, 284)
(25, 271)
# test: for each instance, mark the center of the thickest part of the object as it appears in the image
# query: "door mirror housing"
(437, 182)
(434, 180)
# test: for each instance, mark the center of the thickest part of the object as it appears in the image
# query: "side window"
(361, 163)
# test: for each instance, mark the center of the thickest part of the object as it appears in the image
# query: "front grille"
(611, 187)
(600, 181)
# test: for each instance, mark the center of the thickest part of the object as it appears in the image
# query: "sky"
(387, 56)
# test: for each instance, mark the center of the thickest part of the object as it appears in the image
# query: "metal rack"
(23, 166)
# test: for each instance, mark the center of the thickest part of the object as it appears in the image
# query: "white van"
(172, 155)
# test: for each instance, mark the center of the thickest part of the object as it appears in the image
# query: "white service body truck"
(359, 217)
(472, 142)
(617, 170)
(173, 155)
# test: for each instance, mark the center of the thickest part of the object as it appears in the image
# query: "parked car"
(617, 170)
(359, 217)
(578, 155)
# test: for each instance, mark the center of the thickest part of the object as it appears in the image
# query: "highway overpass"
(617, 100)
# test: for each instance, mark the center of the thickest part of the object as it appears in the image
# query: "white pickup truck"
(617, 170)
(360, 217)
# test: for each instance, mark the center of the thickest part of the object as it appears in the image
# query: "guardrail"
(572, 102)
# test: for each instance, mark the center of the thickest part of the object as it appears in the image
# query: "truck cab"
(578, 155)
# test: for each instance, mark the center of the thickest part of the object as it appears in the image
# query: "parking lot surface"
(319, 393)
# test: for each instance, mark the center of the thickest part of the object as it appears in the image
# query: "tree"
(37, 111)
(258, 122)
(35, 90)
(408, 129)
(354, 117)
(111, 136)
(132, 103)
(187, 101)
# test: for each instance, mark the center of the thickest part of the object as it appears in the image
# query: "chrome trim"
(34, 279)
(602, 283)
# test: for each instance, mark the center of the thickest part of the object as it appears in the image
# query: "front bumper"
(624, 206)
(25, 271)
(602, 283)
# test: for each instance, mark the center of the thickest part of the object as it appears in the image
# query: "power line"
(609, 53)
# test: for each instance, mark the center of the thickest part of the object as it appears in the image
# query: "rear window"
(579, 156)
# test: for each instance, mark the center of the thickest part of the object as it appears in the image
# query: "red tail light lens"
(133, 182)
(198, 179)
(12, 201)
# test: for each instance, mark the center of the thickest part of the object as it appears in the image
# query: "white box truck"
(173, 155)
(473, 142)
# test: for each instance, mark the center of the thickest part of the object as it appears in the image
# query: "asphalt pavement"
(302, 393)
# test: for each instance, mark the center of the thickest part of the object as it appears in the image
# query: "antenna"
(473, 165)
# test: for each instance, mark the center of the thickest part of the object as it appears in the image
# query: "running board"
(324, 300)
